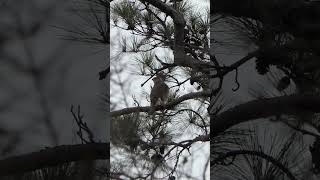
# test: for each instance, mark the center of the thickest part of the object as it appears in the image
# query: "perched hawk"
(159, 92)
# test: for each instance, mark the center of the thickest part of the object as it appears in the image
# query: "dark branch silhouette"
(255, 153)
(263, 108)
(52, 157)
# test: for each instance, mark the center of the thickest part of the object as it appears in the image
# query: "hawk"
(159, 92)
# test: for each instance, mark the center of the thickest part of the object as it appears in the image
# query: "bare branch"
(53, 157)
(185, 97)
(263, 108)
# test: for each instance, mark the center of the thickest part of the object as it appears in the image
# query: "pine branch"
(170, 105)
(263, 108)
